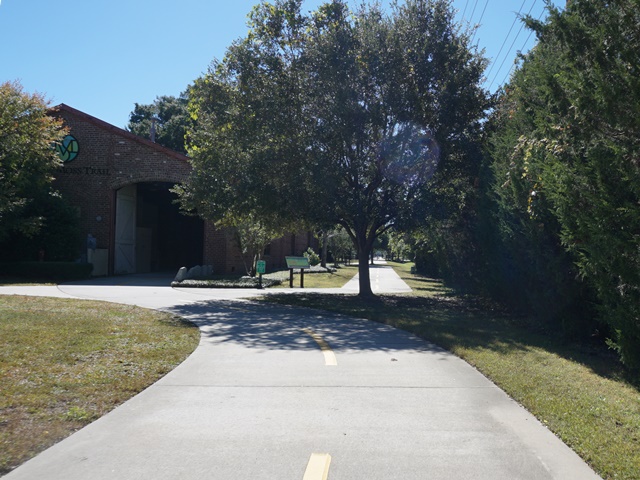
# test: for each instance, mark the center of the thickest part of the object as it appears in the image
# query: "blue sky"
(102, 56)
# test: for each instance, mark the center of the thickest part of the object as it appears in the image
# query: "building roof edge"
(117, 130)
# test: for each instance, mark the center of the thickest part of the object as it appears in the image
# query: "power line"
(515, 19)
(523, 46)
(473, 11)
(511, 46)
(465, 9)
(483, 10)
(480, 21)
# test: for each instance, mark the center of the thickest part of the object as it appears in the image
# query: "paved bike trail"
(272, 389)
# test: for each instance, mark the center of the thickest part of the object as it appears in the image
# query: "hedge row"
(46, 271)
(244, 282)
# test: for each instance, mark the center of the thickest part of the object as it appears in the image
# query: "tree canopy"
(27, 157)
(335, 118)
(171, 120)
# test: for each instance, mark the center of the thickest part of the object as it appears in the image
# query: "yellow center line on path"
(318, 467)
(329, 356)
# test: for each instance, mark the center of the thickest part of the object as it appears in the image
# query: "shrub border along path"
(581, 392)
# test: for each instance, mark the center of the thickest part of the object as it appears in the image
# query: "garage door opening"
(151, 233)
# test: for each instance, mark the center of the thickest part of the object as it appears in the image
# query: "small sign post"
(261, 267)
(297, 262)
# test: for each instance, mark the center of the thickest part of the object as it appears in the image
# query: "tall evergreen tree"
(569, 151)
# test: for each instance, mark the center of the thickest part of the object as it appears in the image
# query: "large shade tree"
(27, 158)
(335, 117)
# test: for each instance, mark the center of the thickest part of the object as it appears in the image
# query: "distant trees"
(27, 164)
(337, 117)
(171, 119)
(398, 246)
(340, 245)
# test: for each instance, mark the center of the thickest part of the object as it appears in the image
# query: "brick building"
(120, 184)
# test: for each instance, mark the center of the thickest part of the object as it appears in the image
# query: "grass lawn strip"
(279, 279)
(335, 279)
(65, 363)
(581, 392)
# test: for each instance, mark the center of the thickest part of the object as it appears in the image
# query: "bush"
(244, 282)
(58, 235)
(314, 258)
(47, 271)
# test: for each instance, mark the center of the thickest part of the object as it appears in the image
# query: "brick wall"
(86, 181)
(110, 158)
(289, 245)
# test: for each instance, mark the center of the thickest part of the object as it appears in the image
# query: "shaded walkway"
(257, 398)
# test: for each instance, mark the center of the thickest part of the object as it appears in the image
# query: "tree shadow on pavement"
(455, 322)
(265, 326)
(158, 279)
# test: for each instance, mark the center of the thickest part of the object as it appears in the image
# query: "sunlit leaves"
(27, 159)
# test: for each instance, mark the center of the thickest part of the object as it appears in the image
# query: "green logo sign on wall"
(68, 149)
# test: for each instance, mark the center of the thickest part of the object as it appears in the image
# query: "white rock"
(181, 275)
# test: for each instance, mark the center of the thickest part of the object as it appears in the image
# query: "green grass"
(279, 279)
(335, 279)
(581, 392)
(65, 363)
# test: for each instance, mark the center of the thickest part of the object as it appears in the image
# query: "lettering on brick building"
(83, 171)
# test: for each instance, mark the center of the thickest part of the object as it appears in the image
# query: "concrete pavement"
(383, 280)
(260, 396)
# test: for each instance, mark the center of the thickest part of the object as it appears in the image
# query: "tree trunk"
(364, 247)
(323, 257)
(363, 272)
